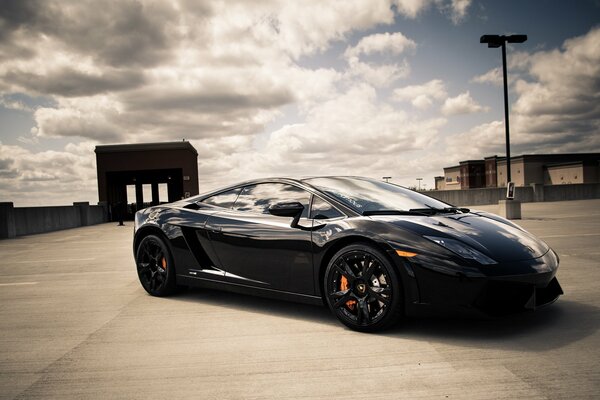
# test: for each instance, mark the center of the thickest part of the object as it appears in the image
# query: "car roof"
(297, 181)
(302, 181)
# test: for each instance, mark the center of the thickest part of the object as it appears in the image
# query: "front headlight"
(462, 250)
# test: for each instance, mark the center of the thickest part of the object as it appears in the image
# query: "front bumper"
(503, 289)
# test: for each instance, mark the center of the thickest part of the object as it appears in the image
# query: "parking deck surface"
(75, 323)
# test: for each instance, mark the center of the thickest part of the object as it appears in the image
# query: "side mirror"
(288, 209)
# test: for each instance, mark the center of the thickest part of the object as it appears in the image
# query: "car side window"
(223, 199)
(258, 198)
(320, 209)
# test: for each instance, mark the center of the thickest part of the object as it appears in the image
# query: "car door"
(256, 248)
(197, 257)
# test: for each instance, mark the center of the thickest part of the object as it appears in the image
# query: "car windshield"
(369, 196)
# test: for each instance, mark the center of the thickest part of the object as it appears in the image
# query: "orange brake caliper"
(164, 263)
(344, 286)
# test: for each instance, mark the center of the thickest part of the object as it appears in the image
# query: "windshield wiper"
(445, 210)
(424, 211)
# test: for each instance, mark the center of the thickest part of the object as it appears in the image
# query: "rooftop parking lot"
(75, 323)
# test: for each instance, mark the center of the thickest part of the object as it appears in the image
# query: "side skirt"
(245, 289)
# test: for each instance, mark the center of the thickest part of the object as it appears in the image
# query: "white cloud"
(378, 74)
(462, 104)
(459, 10)
(354, 130)
(565, 82)
(306, 27)
(493, 76)
(412, 8)
(383, 43)
(559, 105)
(455, 9)
(90, 117)
(483, 140)
(382, 75)
(422, 96)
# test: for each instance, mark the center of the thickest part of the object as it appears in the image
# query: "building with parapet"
(526, 169)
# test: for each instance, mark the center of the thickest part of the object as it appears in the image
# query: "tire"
(365, 304)
(155, 266)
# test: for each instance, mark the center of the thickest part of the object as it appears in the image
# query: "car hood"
(499, 240)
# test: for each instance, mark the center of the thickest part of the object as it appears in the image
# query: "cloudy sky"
(397, 88)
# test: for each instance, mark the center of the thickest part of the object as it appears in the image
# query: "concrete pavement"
(75, 323)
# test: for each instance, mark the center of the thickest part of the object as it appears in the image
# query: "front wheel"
(154, 266)
(362, 289)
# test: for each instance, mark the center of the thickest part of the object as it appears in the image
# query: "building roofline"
(454, 166)
(555, 155)
(118, 148)
(472, 161)
(563, 164)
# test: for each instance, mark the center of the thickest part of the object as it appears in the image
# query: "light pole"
(495, 41)
(387, 178)
(419, 179)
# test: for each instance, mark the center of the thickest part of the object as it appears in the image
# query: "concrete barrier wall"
(30, 220)
(98, 215)
(472, 197)
(526, 194)
(572, 192)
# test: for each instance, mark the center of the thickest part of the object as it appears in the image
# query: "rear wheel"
(155, 267)
(362, 289)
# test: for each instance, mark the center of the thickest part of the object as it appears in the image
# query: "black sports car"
(372, 251)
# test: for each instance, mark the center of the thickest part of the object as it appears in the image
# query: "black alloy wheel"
(363, 290)
(154, 266)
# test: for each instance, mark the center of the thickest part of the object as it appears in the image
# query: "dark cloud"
(16, 13)
(116, 32)
(70, 83)
(6, 171)
(208, 101)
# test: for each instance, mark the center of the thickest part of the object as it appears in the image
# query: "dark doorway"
(135, 190)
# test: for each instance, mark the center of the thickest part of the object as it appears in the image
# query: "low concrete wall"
(525, 194)
(472, 197)
(572, 192)
(45, 219)
(29, 220)
(98, 215)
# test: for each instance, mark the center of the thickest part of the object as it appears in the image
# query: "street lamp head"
(492, 40)
(497, 40)
(516, 38)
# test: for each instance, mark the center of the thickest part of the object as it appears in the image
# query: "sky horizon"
(398, 88)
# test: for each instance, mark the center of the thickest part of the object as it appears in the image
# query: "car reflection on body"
(372, 251)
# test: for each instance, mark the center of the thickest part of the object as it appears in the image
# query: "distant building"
(547, 169)
(126, 170)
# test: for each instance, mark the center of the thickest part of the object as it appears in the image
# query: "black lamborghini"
(372, 251)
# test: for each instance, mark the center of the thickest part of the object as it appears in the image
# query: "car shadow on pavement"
(268, 306)
(555, 326)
